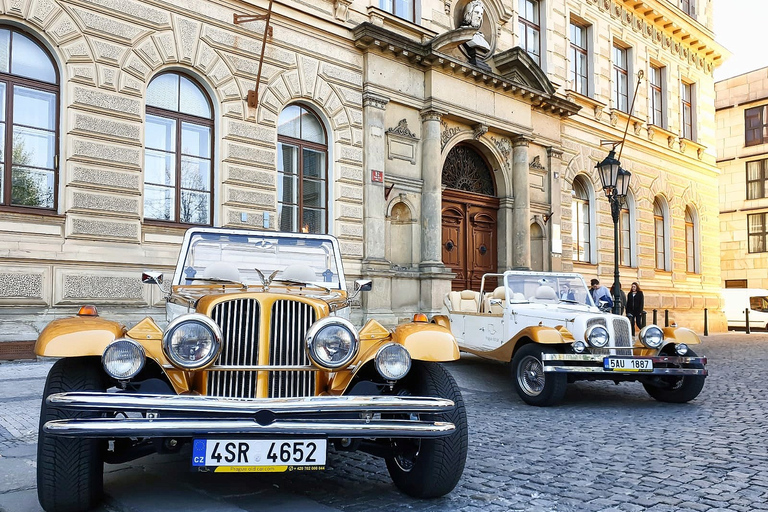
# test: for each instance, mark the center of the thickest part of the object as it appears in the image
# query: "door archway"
(469, 217)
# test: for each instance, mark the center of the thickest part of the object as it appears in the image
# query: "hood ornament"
(266, 281)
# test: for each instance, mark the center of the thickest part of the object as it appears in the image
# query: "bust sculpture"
(473, 14)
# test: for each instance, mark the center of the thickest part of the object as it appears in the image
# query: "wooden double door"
(469, 237)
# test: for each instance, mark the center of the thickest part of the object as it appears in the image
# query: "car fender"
(442, 320)
(424, 342)
(680, 335)
(77, 336)
(532, 334)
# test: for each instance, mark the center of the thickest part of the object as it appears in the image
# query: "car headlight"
(123, 359)
(332, 342)
(192, 341)
(652, 336)
(393, 361)
(597, 336)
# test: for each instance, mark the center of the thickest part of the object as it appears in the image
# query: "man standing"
(600, 293)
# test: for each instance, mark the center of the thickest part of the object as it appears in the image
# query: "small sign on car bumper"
(259, 455)
(627, 364)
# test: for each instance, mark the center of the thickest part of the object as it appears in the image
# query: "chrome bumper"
(567, 363)
(190, 416)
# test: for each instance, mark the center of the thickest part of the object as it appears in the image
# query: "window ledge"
(389, 21)
(687, 143)
(587, 102)
(619, 119)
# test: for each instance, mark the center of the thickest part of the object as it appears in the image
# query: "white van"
(737, 300)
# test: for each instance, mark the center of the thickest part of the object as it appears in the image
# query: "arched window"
(178, 151)
(660, 232)
(29, 122)
(626, 236)
(691, 247)
(302, 184)
(580, 215)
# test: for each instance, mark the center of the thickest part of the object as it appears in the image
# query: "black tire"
(678, 390)
(430, 468)
(69, 471)
(531, 383)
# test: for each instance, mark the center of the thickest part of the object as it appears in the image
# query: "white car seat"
(545, 294)
(491, 302)
(222, 270)
(465, 301)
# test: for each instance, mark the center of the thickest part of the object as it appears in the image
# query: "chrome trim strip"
(599, 358)
(601, 370)
(167, 427)
(261, 368)
(197, 403)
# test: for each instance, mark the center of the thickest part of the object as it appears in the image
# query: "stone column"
(374, 159)
(555, 236)
(431, 195)
(435, 278)
(521, 212)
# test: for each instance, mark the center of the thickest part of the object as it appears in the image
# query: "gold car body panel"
(537, 334)
(424, 342)
(77, 336)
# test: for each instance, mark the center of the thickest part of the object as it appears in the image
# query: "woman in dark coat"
(635, 305)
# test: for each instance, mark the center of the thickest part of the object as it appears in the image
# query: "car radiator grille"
(290, 322)
(239, 323)
(620, 336)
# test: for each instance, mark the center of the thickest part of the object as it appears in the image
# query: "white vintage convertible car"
(547, 326)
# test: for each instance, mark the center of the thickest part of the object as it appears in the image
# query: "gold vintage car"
(258, 369)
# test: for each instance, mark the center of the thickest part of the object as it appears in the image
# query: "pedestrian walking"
(635, 305)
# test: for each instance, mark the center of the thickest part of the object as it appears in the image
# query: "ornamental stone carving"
(536, 164)
(402, 129)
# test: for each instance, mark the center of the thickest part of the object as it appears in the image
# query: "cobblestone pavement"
(605, 448)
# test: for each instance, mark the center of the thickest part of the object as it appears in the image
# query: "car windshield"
(553, 288)
(237, 257)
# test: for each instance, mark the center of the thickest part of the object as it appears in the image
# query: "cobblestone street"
(605, 447)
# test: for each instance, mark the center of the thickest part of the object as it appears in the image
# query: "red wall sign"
(377, 176)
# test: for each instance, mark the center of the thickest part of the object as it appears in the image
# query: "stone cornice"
(668, 27)
(369, 37)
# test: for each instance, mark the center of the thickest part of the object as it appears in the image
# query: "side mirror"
(363, 285)
(150, 277)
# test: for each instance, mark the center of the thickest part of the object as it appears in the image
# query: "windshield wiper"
(301, 283)
(217, 280)
(570, 301)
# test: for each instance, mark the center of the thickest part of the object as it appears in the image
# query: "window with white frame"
(621, 78)
(691, 245)
(756, 230)
(660, 233)
(580, 219)
(302, 181)
(688, 7)
(178, 151)
(579, 63)
(29, 123)
(530, 28)
(405, 9)
(686, 110)
(658, 95)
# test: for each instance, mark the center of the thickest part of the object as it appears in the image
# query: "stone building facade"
(742, 151)
(437, 139)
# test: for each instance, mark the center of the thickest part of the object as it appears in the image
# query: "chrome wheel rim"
(530, 376)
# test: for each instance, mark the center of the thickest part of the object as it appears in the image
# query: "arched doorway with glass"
(469, 217)
(302, 163)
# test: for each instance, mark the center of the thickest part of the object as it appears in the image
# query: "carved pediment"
(517, 66)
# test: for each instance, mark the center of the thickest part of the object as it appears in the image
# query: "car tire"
(531, 383)
(434, 466)
(69, 471)
(679, 389)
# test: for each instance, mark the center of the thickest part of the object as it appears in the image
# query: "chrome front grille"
(290, 322)
(239, 323)
(620, 336)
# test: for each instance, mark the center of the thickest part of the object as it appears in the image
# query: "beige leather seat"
(545, 294)
(494, 302)
(222, 270)
(465, 301)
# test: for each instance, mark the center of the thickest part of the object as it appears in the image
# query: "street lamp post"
(615, 185)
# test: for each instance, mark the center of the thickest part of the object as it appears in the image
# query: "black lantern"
(616, 185)
(609, 170)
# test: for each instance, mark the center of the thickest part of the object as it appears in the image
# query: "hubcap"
(530, 376)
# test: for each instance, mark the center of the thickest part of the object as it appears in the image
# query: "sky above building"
(740, 26)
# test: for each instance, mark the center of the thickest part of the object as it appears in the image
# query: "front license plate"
(259, 455)
(622, 364)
